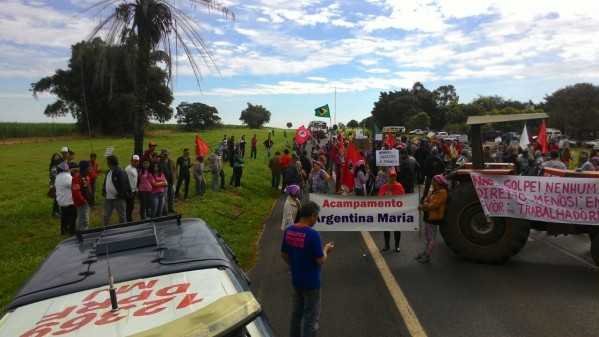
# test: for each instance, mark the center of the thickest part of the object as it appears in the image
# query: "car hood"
(144, 305)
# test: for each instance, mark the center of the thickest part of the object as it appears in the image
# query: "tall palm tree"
(155, 25)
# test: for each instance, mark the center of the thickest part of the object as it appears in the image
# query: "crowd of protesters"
(157, 181)
(154, 179)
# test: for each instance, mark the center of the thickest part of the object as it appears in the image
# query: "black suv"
(164, 277)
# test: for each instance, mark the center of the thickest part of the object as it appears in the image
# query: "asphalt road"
(551, 288)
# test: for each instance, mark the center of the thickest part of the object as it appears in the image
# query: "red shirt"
(78, 183)
(396, 189)
(94, 169)
(285, 160)
(149, 154)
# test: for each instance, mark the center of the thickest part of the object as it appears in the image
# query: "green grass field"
(29, 232)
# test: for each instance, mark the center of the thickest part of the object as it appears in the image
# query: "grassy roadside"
(29, 232)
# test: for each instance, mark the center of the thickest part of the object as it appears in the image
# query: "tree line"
(573, 109)
(101, 97)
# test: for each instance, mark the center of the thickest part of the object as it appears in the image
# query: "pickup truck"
(417, 132)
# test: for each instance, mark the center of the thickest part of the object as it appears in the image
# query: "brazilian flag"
(322, 111)
(375, 129)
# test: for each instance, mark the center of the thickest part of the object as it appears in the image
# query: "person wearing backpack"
(433, 166)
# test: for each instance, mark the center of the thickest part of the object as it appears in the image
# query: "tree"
(108, 105)
(289, 125)
(574, 110)
(396, 108)
(353, 124)
(197, 116)
(419, 121)
(153, 24)
(446, 95)
(255, 116)
(367, 122)
(459, 113)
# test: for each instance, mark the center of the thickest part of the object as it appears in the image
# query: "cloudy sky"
(292, 56)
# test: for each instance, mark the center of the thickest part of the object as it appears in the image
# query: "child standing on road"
(434, 209)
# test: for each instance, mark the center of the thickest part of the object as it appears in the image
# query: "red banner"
(302, 135)
(350, 164)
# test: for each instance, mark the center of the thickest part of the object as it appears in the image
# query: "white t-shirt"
(132, 174)
(111, 191)
(63, 181)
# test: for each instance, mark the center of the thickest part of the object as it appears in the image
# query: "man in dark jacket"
(115, 190)
(306, 163)
(421, 154)
(295, 174)
(432, 166)
(406, 175)
(167, 166)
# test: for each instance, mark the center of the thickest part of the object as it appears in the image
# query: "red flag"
(201, 147)
(302, 135)
(350, 163)
(390, 140)
(542, 138)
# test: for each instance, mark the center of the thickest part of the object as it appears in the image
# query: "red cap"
(152, 144)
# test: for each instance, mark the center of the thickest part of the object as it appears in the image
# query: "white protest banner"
(387, 157)
(552, 199)
(350, 213)
(108, 151)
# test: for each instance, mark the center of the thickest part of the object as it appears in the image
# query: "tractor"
(472, 235)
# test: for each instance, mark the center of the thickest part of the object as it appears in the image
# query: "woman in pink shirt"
(145, 190)
(158, 182)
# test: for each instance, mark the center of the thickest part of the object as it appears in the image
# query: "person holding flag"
(360, 178)
(339, 159)
(542, 138)
(350, 167)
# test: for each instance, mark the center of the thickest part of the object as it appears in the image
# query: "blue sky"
(294, 56)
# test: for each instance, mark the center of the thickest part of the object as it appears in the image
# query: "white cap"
(135, 157)
(64, 149)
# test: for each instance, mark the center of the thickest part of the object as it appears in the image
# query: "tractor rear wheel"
(478, 238)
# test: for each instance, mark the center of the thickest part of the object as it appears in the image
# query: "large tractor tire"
(473, 236)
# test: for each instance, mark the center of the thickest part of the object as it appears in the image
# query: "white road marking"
(404, 308)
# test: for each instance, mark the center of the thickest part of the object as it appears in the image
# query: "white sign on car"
(144, 305)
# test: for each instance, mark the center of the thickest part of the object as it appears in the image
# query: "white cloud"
(310, 47)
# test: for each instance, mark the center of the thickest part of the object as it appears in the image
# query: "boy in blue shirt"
(302, 250)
